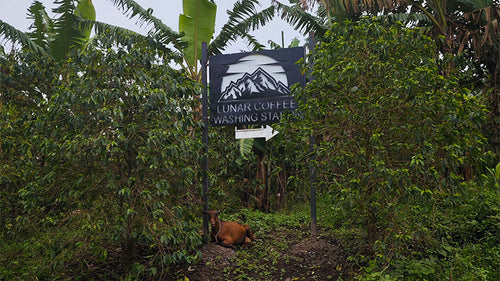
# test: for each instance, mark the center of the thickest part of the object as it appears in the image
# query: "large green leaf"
(301, 20)
(42, 25)
(68, 33)
(145, 16)
(17, 36)
(85, 10)
(198, 24)
(243, 18)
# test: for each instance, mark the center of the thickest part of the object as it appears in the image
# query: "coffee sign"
(253, 88)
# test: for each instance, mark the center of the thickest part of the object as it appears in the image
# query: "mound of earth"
(217, 255)
(310, 259)
(214, 259)
(315, 259)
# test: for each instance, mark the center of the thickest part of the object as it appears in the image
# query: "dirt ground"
(306, 259)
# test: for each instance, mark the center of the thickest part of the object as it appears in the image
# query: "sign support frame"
(264, 132)
(206, 182)
(312, 141)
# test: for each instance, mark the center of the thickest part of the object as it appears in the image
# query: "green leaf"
(17, 36)
(85, 9)
(42, 26)
(68, 33)
(198, 24)
(497, 173)
(243, 18)
(295, 43)
(246, 146)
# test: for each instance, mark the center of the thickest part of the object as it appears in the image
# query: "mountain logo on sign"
(259, 84)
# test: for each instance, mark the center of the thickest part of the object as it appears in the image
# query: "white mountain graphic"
(259, 84)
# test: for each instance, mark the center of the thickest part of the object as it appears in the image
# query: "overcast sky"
(14, 13)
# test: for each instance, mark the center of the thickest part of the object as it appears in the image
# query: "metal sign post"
(204, 62)
(312, 140)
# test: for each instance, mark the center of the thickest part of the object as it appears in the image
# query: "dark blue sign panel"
(253, 88)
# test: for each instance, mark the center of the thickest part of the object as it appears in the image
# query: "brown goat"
(228, 233)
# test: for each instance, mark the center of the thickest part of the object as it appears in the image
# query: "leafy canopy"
(390, 127)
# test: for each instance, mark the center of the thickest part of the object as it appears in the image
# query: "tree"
(100, 171)
(54, 36)
(196, 26)
(302, 20)
(25, 81)
(393, 134)
(459, 27)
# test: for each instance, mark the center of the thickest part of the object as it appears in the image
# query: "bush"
(110, 167)
(396, 138)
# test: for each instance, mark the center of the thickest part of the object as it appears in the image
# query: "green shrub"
(110, 167)
(397, 137)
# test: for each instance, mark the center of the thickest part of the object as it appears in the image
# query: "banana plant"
(66, 30)
(197, 24)
(54, 37)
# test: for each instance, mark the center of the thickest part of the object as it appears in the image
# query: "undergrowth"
(460, 243)
(454, 240)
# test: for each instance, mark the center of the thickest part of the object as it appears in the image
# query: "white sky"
(14, 12)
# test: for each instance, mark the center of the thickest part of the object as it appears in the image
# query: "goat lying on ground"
(228, 233)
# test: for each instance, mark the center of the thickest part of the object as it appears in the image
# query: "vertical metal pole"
(313, 186)
(282, 39)
(204, 62)
(312, 156)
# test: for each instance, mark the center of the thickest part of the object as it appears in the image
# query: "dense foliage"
(397, 142)
(97, 163)
(99, 166)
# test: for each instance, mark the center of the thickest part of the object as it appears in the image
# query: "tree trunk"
(281, 191)
(128, 255)
(261, 189)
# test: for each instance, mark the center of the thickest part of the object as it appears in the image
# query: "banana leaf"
(198, 25)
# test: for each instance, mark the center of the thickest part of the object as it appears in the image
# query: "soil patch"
(315, 259)
(214, 259)
(306, 259)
